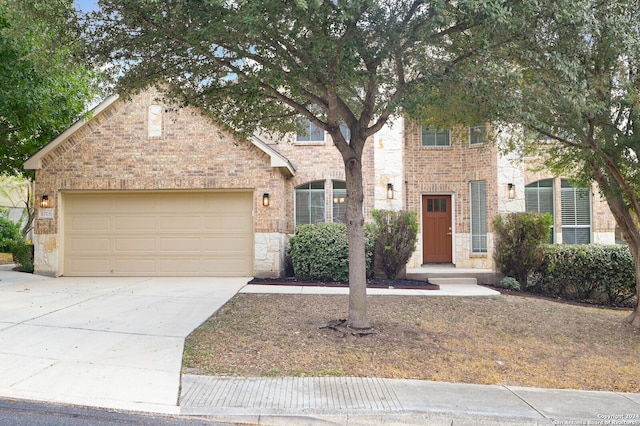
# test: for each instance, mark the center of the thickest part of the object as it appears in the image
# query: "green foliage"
(587, 273)
(519, 237)
(44, 87)
(320, 252)
(510, 283)
(396, 233)
(9, 233)
(11, 241)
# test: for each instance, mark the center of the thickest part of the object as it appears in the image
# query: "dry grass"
(499, 340)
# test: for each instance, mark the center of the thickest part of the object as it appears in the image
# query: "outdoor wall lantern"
(265, 199)
(511, 190)
(389, 191)
(44, 202)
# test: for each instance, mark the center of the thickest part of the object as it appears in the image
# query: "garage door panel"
(135, 245)
(229, 223)
(137, 266)
(135, 223)
(90, 266)
(221, 244)
(90, 223)
(158, 233)
(180, 244)
(89, 245)
(180, 223)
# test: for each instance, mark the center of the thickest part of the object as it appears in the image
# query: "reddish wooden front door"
(436, 229)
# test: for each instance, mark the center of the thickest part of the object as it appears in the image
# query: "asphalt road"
(27, 413)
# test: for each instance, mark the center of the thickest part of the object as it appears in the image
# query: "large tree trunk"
(358, 316)
(634, 318)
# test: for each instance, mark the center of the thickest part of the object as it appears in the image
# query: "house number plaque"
(45, 214)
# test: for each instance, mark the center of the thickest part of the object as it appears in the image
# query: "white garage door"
(158, 234)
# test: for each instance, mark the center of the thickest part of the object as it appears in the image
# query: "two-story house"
(139, 189)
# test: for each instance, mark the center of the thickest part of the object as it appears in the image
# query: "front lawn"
(509, 340)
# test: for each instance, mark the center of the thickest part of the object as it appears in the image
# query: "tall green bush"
(518, 241)
(321, 252)
(11, 241)
(396, 233)
(595, 273)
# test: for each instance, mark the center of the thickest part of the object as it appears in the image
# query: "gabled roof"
(35, 161)
(277, 159)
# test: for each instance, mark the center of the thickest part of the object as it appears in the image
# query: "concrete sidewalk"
(371, 401)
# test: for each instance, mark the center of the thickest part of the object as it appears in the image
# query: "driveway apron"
(107, 342)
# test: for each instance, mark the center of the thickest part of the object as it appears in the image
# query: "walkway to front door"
(436, 229)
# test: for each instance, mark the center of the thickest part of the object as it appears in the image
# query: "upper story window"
(431, 137)
(310, 132)
(477, 135)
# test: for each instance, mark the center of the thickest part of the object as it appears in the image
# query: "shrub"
(321, 252)
(396, 233)
(11, 241)
(595, 273)
(510, 283)
(519, 237)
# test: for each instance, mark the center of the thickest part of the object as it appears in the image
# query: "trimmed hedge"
(593, 273)
(320, 252)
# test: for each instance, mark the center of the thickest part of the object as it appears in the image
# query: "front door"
(436, 229)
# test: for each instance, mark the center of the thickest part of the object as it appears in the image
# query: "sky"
(86, 5)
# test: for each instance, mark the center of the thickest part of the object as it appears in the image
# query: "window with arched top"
(311, 202)
(538, 197)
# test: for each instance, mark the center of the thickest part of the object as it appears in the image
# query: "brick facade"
(449, 171)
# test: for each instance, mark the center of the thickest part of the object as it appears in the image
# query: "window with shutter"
(576, 214)
(478, 217)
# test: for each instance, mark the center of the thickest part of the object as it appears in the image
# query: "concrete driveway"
(108, 342)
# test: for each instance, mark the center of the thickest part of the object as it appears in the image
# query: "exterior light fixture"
(390, 191)
(265, 199)
(511, 190)
(44, 202)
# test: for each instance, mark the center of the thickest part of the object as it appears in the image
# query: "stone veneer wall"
(449, 170)
(113, 152)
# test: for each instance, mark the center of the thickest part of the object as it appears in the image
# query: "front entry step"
(456, 280)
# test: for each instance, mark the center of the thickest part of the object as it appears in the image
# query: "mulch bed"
(399, 284)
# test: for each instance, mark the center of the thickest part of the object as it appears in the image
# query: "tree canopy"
(44, 88)
(574, 87)
(266, 64)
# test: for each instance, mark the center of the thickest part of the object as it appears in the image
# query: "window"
(479, 217)
(310, 133)
(477, 135)
(346, 133)
(339, 201)
(309, 203)
(538, 197)
(576, 214)
(435, 137)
